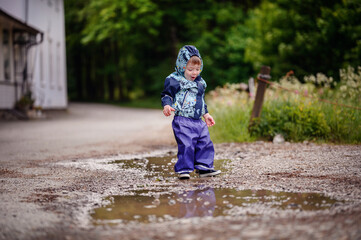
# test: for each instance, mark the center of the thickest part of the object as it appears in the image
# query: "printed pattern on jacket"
(186, 97)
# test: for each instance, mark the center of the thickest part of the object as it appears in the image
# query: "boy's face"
(192, 71)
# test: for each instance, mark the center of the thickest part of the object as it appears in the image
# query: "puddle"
(160, 167)
(149, 206)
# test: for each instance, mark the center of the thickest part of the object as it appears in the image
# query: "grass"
(344, 123)
(231, 124)
(296, 117)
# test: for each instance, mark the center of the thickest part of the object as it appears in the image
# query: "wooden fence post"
(261, 89)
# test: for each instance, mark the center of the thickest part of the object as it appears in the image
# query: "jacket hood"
(185, 53)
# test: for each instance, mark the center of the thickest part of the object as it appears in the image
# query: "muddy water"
(161, 167)
(148, 206)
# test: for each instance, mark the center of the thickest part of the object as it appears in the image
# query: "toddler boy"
(183, 94)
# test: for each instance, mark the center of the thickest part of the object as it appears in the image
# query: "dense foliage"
(306, 36)
(121, 50)
(299, 111)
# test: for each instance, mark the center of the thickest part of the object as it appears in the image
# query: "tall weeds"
(296, 110)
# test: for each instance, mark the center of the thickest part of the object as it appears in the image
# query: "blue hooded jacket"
(186, 97)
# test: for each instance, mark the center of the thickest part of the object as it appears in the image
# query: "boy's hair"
(195, 60)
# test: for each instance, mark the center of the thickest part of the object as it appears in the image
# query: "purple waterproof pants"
(195, 148)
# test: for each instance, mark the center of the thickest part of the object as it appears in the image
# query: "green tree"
(75, 51)
(217, 29)
(120, 50)
(222, 41)
(306, 36)
(115, 33)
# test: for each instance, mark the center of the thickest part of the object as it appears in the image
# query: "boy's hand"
(167, 110)
(209, 120)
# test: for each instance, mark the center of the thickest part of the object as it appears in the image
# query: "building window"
(6, 54)
(20, 56)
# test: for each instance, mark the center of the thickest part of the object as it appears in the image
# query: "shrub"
(294, 110)
(230, 108)
(344, 123)
(295, 120)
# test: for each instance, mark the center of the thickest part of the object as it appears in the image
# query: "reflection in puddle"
(148, 207)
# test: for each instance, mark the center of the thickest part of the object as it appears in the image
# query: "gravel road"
(84, 129)
(56, 172)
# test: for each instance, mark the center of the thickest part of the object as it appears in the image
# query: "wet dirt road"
(84, 129)
(101, 172)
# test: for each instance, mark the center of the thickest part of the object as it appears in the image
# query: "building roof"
(17, 24)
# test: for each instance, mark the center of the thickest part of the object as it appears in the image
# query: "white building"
(32, 53)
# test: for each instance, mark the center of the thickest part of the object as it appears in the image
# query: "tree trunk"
(77, 66)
